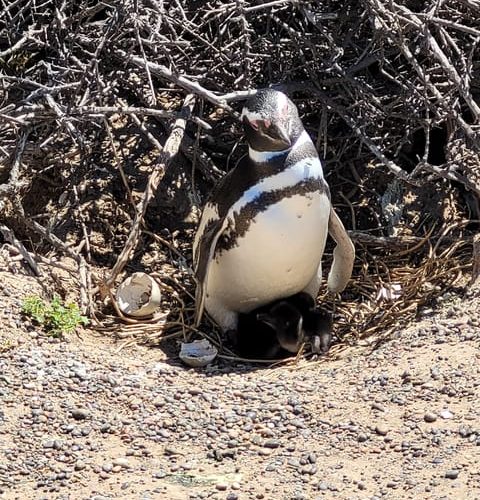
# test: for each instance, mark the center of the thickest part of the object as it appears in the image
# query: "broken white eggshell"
(139, 295)
(198, 353)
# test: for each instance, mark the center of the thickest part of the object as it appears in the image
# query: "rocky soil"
(81, 419)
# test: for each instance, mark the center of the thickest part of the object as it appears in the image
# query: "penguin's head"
(287, 322)
(270, 121)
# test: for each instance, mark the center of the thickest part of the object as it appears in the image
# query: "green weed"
(55, 317)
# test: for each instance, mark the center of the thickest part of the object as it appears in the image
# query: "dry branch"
(166, 157)
(10, 236)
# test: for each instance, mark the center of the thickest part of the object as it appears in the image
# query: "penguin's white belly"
(277, 256)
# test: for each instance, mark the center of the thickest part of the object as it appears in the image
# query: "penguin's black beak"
(278, 132)
(265, 318)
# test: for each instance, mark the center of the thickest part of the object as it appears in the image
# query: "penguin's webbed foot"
(321, 343)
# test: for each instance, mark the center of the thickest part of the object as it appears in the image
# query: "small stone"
(446, 414)
(452, 474)
(232, 496)
(361, 438)
(465, 431)
(271, 443)
(265, 452)
(378, 407)
(309, 469)
(430, 417)
(170, 451)
(80, 413)
(381, 430)
(107, 467)
(121, 462)
(86, 430)
(221, 486)
(79, 465)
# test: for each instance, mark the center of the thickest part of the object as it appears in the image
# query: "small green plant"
(56, 318)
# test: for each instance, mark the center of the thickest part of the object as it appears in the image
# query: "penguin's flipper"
(203, 260)
(343, 255)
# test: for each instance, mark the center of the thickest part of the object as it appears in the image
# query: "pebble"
(107, 467)
(361, 438)
(381, 429)
(430, 417)
(465, 431)
(271, 443)
(79, 465)
(122, 462)
(80, 413)
(452, 474)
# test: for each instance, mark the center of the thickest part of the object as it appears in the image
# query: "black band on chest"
(246, 215)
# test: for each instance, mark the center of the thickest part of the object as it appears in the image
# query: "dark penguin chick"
(317, 325)
(287, 322)
(256, 339)
(269, 332)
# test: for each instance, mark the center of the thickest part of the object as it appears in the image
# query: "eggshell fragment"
(198, 353)
(139, 295)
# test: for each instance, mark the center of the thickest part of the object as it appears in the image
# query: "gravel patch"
(83, 420)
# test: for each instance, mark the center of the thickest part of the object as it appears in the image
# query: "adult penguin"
(262, 232)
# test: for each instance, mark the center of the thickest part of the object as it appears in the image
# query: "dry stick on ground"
(169, 151)
(9, 235)
(393, 242)
(153, 140)
(10, 189)
(83, 269)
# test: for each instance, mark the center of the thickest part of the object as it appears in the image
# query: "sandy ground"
(80, 419)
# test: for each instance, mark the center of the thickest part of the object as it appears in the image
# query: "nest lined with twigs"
(116, 119)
